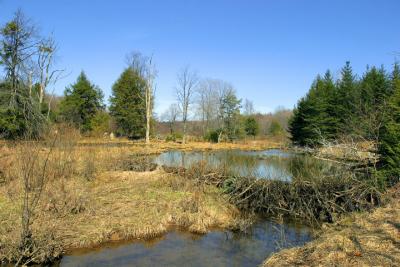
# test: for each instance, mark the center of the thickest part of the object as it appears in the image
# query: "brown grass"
(158, 146)
(88, 201)
(359, 239)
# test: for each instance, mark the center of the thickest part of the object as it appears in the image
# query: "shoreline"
(116, 206)
(358, 239)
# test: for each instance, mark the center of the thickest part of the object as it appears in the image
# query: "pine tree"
(128, 105)
(327, 118)
(389, 145)
(229, 114)
(346, 100)
(314, 118)
(81, 103)
(374, 93)
(302, 126)
(251, 126)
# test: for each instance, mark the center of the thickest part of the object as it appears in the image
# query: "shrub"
(173, 137)
(213, 136)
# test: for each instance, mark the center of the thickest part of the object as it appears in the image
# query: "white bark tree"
(207, 103)
(187, 82)
(146, 69)
(45, 61)
(171, 115)
(248, 107)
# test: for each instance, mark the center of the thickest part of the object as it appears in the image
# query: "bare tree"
(19, 42)
(28, 59)
(207, 103)
(45, 61)
(187, 83)
(248, 107)
(171, 115)
(145, 67)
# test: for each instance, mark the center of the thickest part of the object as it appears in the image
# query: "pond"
(217, 248)
(177, 248)
(269, 164)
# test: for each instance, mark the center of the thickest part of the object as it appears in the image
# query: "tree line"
(27, 104)
(365, 108)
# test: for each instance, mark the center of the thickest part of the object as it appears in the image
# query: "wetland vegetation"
(210, 181)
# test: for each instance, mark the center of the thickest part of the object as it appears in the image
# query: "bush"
(213, 136)
(275, 129)
(101, 123)
(173, 137)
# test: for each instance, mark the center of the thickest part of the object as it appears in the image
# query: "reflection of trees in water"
(251, 164)
(308, 167)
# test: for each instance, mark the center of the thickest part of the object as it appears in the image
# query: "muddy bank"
(358, 239)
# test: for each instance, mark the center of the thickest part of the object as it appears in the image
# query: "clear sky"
(269, 50)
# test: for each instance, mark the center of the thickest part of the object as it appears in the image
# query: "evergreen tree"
(374, 92)
(81, 103)
(20, 112)
(327, 120)
(229, 114)
(275, 128)
(314, 118)
(389, 145)
(346, 100)
(128, 105)
(251, 126)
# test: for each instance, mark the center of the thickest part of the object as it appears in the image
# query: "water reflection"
(217, 248)
(270, 164)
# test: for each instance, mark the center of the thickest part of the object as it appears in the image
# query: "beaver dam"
(274, 184)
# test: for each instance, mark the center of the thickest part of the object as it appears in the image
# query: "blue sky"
(269, 50)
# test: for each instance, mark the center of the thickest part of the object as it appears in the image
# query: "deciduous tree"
(187, 82)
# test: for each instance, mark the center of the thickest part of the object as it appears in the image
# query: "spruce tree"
(314, 118)
(302, 126)
(229, 114)
(327, 120)
(374, 92)
(389, 145)
(128, 105)
(81, 103)
(251, 126)
(346, 100)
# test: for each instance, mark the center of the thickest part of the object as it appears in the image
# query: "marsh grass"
(89, 200)
(357, 239)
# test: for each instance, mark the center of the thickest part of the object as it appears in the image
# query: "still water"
(217, 248)
(269, 164)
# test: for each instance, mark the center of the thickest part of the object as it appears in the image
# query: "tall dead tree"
(146, 69)
(187, 83)
(207, 103)
(18, 45)
(171, 115)
(248, 107)
(45, 61)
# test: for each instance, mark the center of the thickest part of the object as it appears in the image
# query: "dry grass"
(89, 200)
(158, 146)
(359, 239)
(115, 206)
(349, 151)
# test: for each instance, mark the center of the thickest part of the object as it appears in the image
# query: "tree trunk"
(184, 132)
(148, 114)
